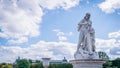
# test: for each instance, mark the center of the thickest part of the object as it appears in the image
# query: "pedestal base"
(87, 63)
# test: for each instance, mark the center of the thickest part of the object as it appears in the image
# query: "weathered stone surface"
(86, 44)
(96, 63)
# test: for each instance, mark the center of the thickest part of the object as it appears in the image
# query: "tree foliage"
(108, 64)
(63, 65)
(116, 62)
(23, 63)
(5, 65)
(15, 65)
(103, 55)
(112, 63)
(37, 65)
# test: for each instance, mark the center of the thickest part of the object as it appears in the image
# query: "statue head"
(87, 16)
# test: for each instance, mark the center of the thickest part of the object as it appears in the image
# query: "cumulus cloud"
(22, 18)
(61, 35)
(102, 43)
(105, 45)
(20, 40)
(54, 50)
(109, 46)
(115, 51)
(114, 34)
(109, 6)
(52, 4)
(19, 18)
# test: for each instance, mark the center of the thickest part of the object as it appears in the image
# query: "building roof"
(56, 61)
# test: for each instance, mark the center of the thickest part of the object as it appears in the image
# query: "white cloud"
(118, 52)
(54, 50)
(52, 4)
(114, 34)
(22, 18)
(62, 38)
(119, 41)
(115, 51)
(3, 35)
(105, 45)
(61, 35)
(109, 46)
(101, 43)
(18, 41)
(19, 19)
(109, 6)
(70, 33)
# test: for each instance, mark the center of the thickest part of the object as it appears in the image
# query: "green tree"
(15, 65)
(30, 60)
(62, 65)
(116, 62)
(0, 65)
(7, 66)
(112, 63)
(23, 63)
(103, 55)
(107, 64)
(36, 65)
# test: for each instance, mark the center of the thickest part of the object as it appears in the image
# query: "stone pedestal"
(94, 63)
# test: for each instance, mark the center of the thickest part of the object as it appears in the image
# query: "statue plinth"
(87, 63)
(86, 59)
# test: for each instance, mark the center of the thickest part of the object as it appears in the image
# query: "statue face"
(87, 17)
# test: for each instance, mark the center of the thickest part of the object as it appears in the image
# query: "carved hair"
(87, 14)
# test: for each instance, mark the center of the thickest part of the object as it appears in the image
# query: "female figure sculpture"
(86, 44)
(84, 37)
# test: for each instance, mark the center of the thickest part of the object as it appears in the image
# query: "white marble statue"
(86, 43)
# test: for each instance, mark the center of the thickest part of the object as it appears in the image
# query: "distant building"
(18, 58)
(47, 61)
(58, 61)
(55, 61)
(64, 60)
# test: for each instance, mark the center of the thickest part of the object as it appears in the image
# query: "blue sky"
(36, 29)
